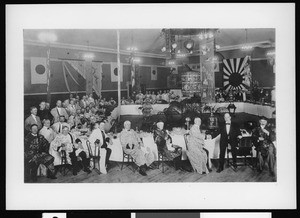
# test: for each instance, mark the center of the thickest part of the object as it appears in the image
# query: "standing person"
(36, 152)
(230, 132)
(266, 151)
(96, 139)
(132, 144)
(197, 137)
(32, 119)
(47, 131)
(43, 112)
(195, 148)
(104, 141)
(58, 111)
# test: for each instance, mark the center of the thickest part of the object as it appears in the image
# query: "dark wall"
(261, 70)
(57, 83)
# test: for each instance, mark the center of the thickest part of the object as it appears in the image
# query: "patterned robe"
(160, 138)
(36, 151)
(195, 152)
(131, 143)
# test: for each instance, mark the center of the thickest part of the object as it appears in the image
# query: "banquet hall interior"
(149, 105)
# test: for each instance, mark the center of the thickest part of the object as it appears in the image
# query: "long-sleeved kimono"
(56, 147)
(195, 152)
(160, 137)
(131, 145)
(36, 152)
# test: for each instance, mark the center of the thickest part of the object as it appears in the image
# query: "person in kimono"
(165, 146)
(132, 145)
(198, 157)
(36, 152)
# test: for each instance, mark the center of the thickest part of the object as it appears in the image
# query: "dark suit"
(226, 139)
(266, 150)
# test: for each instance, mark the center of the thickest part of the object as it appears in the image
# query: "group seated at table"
(64, 131)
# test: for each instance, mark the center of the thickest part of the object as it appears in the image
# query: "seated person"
(112, 101)
(63, 145)
(80, 152)
(266, 151)
(165, 146)
(153, 97)
(36, 152)
(139, 100)
(57, 127)
(96, 140)
(129, 101)
(46, 131)
(132, 145)
(123, 101)
(196, 152)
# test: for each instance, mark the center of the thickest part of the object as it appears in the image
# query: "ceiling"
(149, 40)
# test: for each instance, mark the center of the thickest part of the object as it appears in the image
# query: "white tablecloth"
(212, 145)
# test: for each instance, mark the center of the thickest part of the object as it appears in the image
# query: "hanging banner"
(153, 72)
(94, 77)
(237, 74)
(114, 72)
(38, 70)
(89, 77)
(97, 77)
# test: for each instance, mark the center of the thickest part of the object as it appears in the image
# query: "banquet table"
(212, 145)
(241, 107)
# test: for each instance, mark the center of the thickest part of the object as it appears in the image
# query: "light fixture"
(132, 48)
(218, 46)
(271, 53)
(210, 35)
(88, 56)
(136, 60)
(246, 46)
(189, 45)
(174, 45)
(163, 49)
(47, 37)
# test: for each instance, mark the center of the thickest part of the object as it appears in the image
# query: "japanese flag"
(38, 70)
(114, 72)
(153, 72)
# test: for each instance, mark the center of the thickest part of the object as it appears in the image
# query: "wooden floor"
(115, 175)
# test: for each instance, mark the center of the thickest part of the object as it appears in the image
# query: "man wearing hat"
(266, 151)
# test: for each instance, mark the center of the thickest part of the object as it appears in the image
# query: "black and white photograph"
(129, 105)
(141, 113)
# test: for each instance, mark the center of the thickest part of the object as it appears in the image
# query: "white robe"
(56, 153)
(96, 134)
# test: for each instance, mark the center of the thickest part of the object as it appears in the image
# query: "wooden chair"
(64, 167)
(95, 157)
(129, 160)
(244, 149)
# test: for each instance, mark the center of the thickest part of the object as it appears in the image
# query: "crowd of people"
(152, 97)
(52, 134)
(55, 131)
(259, 95)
